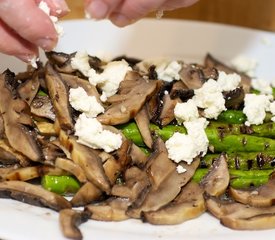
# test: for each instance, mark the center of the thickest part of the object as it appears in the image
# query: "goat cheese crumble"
(108, 81)
(228, 82)
(255, 107)
(245, 65)
(180, 169)
(185, 147)
(210, 98)
(90, 133)
(186, 111)
(80, 62)
(80, 101)
(168, 71)
(264, 87)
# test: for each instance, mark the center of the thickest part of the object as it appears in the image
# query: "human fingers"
(131, 11)
(30, 22)
(59, 8)
(12, 44)
(100, 9)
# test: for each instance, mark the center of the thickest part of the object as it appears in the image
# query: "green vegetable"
(220, 140)
(239, 178)
(42, 93)
(60, 184)
(244, 160)
(232, 116)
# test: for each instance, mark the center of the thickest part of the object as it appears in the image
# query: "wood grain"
(257, 14)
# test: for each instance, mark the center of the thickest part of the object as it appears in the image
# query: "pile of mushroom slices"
(37, 138)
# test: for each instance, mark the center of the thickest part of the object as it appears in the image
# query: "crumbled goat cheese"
(261, 85)
(245, 65)
(90, 132)
(255, 107)
(80, 101)
(196, 129)
(272, 110)
(168, 71)
(186, 111)
(181, 147)
(185, 147)
(181, 169)
(45, 8)
(210, 98)
(228, 82)
(33, 62)
(108, 81)
(80, 62)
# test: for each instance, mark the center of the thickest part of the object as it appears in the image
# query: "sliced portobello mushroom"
(122, 112)
(42, 107)
(138, 157)
(187, 205)
(87, 160)
(212, 62)
(113, 209)
(29, 88)
(135, 181)
(87, 194)
(20, 137)
(143, 122)
(9, 156)
(165, 193)
(69, 220)
(71, 167)
(167, 112)
(58, 92)
(32, 194)
(75, 82)
(263, 196)
(46, 129)
(216, 181)
(234, 99)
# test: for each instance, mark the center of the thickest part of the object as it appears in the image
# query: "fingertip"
(97, 9)
(121, 20)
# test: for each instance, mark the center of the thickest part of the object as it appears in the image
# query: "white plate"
(187, 40)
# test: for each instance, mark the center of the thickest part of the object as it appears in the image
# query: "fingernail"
(61, 5)
(121, 20)
(98, 9)
(46, 43)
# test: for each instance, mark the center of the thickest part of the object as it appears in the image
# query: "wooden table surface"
(259, 14)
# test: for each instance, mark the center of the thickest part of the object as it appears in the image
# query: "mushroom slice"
(86, 194)
(250, 218)
(60, 98)
(46, 128)
(58, 58)
(112, 169)
(217, 179)
(9, 156)
(167, 112)
(19, 136)
(87, 160)
(210, 61)
(235, 98)
(165, 193)
(123, 111)
(71, 167)
(136, 180)
(69, 221)
(113, 209)
(75, 82)
(143, 122)
(263, 196)
(187, 205)
(32, 194)
(138, 156)
(41, 106)
(28, 173)
(28, 89)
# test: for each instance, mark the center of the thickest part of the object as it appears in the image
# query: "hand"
(124, 12)
(24, 27)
